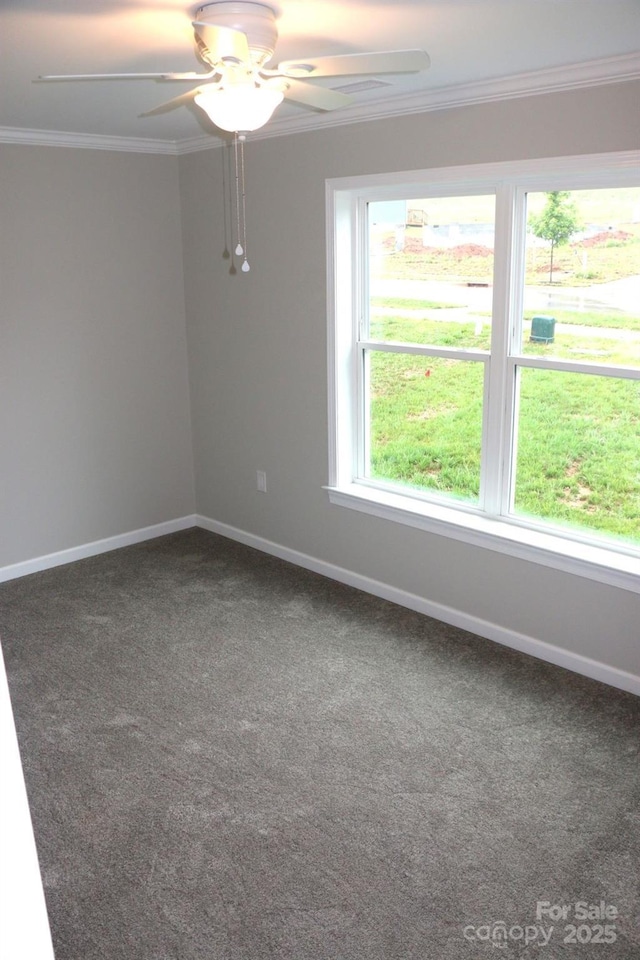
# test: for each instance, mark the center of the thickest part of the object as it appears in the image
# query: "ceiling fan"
(240, 91)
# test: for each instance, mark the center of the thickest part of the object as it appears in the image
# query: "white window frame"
(346, 200)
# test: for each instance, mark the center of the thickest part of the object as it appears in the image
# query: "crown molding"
(86, 141)
(556, 79)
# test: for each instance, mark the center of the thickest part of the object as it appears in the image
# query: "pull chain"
(245, 263)
(227, 210)
(241, 207)
(239, 249)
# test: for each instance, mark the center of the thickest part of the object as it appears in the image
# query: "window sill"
(571, 556)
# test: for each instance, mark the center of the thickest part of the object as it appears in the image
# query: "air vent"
(361, 85)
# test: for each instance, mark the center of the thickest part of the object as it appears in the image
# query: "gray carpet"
(230, 758)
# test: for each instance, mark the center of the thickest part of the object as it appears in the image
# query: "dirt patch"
(462, 252)
(577, 496)
(470, 250)
(600, 239)
(578, 499)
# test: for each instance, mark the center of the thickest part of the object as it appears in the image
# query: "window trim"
(345, 198)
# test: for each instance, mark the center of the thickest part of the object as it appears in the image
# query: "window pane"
(582, 282)
(578, 452)
(425, 423)
(431, 270)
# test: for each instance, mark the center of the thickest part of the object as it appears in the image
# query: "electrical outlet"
(261, 479)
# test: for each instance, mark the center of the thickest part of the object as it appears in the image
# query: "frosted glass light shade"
(239, 108)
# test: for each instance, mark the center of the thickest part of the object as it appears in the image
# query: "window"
(485, 356)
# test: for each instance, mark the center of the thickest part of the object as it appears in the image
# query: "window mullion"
(498, 412)
(512, 384)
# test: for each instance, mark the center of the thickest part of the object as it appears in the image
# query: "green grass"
(578, 451)
(578, 461)
(436, 333)
(426, 422)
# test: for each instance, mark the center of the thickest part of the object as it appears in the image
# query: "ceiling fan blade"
(343, 65)
(190, 76)
(168, 105)
(320, 98)
(222, 43)
(102, 76)
(127, 76)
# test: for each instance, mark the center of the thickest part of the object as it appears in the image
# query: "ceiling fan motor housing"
(256, 20)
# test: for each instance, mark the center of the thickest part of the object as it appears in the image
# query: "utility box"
(543, 329)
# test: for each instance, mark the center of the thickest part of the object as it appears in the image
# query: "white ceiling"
(479, 49)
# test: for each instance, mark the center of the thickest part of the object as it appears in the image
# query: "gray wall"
(95, 436)
(257, 347)
(95, 426)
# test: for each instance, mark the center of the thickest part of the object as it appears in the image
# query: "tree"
(556, 223)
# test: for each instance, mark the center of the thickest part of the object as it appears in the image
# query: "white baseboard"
(16, 570)
(576, 662)
(594, 669)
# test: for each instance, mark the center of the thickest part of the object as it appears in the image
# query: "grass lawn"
(578, 457)
(578, 454)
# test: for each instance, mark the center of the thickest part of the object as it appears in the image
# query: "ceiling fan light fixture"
(240, 108)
